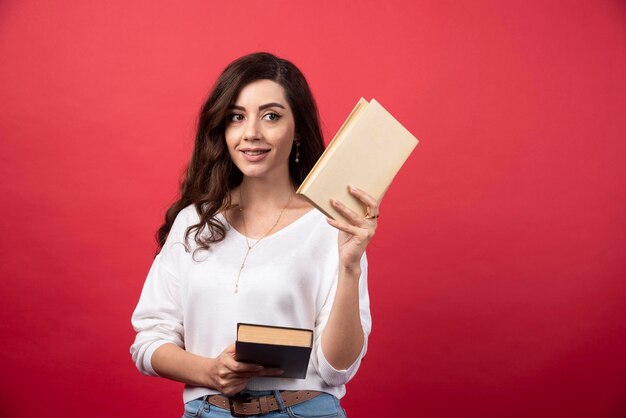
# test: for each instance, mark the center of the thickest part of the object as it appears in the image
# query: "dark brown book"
(288, 349)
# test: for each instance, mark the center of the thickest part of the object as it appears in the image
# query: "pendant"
(243, 264)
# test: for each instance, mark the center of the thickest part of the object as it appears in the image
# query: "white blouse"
(289, 280)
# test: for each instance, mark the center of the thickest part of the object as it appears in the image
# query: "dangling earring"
(297, 150)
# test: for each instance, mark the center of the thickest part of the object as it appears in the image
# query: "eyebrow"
(262, 107)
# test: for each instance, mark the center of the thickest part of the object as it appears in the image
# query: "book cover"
(367, 152)
(285, 348)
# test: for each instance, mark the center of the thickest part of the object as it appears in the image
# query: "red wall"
(498, 273)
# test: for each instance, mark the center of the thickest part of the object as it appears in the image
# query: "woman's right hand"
(230, 376)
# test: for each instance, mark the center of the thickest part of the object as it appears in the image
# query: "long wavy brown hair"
(211, 174)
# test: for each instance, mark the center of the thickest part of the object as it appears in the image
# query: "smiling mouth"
(257, 152)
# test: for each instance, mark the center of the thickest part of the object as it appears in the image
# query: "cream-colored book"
(367, 152)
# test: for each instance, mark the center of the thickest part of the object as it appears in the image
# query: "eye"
(235, 117)
(271, 116)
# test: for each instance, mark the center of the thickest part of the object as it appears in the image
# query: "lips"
(254, 155)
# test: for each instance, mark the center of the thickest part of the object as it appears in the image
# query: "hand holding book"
(367, 152)
(286, 348)
(355, 234)
(230, 376)
(349, 180)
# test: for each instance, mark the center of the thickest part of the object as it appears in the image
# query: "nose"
(251, 132)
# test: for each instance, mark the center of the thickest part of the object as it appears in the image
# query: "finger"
(365, 198)
(241, 367)
(230, 349)
(247, 375)
(258, 372)
(350, 229)
(234, 386)
(348, 213)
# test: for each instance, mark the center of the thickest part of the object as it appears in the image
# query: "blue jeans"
(323, 406)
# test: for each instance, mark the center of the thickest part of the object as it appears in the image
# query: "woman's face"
(260, 130)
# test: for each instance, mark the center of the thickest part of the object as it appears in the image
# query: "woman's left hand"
(355, 235)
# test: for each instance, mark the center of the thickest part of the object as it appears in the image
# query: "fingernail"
(353, 188)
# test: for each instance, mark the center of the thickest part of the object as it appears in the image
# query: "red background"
(498, 272)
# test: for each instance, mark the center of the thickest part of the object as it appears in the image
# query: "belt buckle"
(238, 398)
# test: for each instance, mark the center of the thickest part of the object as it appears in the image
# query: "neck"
(261, 194)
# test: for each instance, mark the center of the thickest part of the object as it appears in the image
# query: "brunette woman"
(240, 246)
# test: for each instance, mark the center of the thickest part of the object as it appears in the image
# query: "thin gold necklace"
(245, 232)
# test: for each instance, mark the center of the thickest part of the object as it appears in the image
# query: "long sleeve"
(328, 373)
(289, 280)
(158, 317)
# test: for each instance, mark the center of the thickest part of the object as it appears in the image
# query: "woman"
(240, 246)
